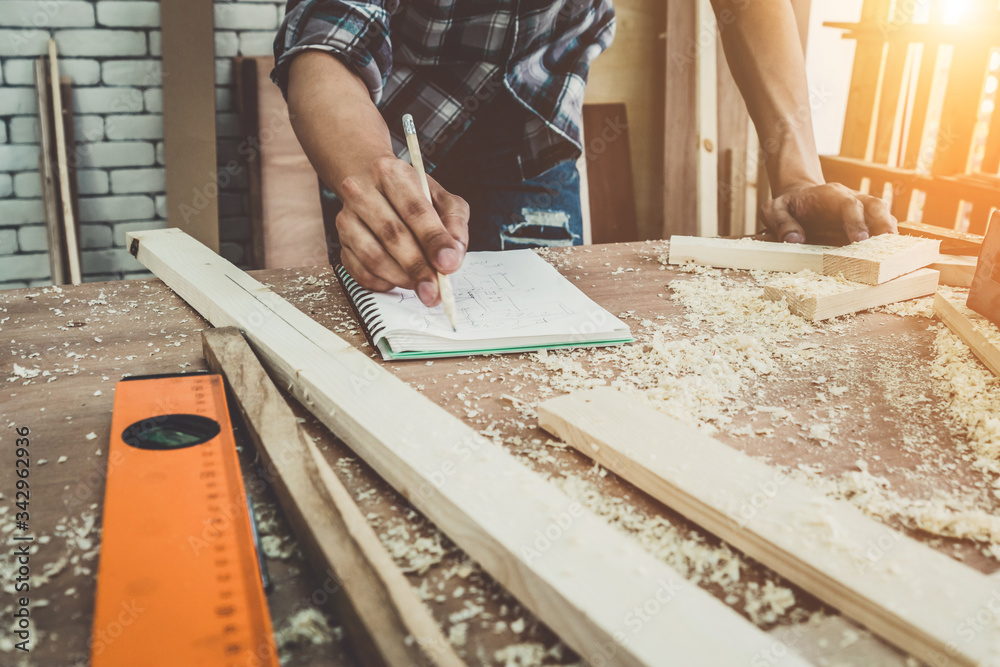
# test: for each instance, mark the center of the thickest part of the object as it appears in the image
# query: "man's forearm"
(762, 47)
(334, 117)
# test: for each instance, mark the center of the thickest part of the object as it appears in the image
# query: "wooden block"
(952, 240)
(822, 297)
(904, 591)
(747, 254)
(388, 622)
(970, 327)
(955, 270)
(984, 297)
(880, 258)
(583, 583)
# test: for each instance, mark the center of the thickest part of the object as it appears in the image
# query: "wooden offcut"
(955, 270)
(748, 254)
(953, 242)
(188, 44)
(582, 581)
(389, 624)
(880, 258)
(906, 592)
(969, 325)
(822, 297)
(984, 297)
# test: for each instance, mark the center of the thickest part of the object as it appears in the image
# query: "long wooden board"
(58, 262)
(389, 625)
(62, 167)
(961, 320)
(910, 594)
(568, 566)
(822, 297)
(747, 254)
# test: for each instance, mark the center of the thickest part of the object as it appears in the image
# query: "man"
(496, 88)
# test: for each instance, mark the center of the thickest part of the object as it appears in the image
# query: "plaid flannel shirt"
(441, 60)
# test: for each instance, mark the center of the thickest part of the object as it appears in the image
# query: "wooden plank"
(863, 92)
(188, 45)
(968, 325)
(72, 156)
(952, 240)
(823, 545)
(245, 80)
(880, 258)
(746, 254)
(631, 71)
(733, 131)
(706, 116)
(681, 142)
(609, 174)
(822, 297)
(389, 623)
(291, 216)
(583, 581)
(955, 270)
(69, 227)
(58, 262)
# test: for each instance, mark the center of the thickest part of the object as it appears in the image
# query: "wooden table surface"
(77, 342)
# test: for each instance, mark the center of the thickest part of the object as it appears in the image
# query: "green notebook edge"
(388, 354)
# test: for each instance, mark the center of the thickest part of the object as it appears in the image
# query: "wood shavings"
(306, 626)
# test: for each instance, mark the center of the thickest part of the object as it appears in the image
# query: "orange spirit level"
(179, 582)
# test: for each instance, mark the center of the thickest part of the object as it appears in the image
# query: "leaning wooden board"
(128, 316)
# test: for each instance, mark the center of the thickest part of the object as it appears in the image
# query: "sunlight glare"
(955, 10)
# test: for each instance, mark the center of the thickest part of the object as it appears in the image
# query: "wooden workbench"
(83, 339)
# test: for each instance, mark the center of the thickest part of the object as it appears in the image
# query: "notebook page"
(513, 294)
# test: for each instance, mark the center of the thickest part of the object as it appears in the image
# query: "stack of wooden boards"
(824, 281)
(591, 578)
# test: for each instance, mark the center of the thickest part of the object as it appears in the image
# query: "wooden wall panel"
(631, 72)
(189, 118)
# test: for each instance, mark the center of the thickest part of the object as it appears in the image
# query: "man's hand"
(393, 237)
(828, 214)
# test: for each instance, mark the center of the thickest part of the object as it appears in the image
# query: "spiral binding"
(364, 303)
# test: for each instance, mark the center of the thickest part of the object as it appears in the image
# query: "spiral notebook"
(511, 301)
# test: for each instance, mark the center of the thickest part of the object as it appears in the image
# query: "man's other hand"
(828, 214)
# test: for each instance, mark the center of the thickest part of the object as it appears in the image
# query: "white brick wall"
(111, 51)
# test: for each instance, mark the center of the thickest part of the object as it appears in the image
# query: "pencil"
(444, 282)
